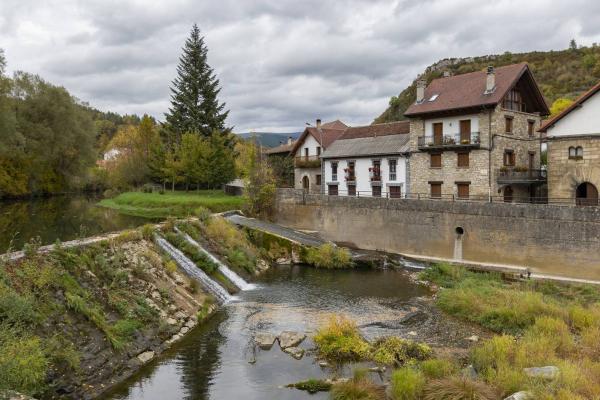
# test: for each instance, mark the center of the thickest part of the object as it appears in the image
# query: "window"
(306, 152)
(576, 153)
(351, 190)
(513, 101)
(350, 172)
(463, 160)
(319, 180)
(463, 190)
(436, 161)
(376, 191)
(508, 124)
(318, 150)
(375, 171)
(435, 190)
(395, 192)
(332, 190)
(334, 166)
(392, 166)
(509, 158)
(530, 128)
(434, 97)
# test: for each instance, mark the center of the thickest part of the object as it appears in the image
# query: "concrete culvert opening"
(459, 230)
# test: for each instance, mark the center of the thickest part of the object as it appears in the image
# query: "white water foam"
(225, 270)
(194, 271)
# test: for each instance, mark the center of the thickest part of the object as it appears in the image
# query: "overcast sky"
(281, 63)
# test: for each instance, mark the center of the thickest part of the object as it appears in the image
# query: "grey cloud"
(280, 62)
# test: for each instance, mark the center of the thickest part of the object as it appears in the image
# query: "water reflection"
(219, 361)
(59, 217)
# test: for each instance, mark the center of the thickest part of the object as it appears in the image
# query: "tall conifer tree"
(194, 93)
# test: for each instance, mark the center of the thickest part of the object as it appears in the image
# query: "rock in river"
(146, 356)
(295, 352)
(265, 340)
(290, 339)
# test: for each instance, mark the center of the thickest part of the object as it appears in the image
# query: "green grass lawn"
(171, 204)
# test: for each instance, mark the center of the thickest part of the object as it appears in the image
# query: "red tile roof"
(391, 128)
(468, 91)
(326, 133)
(576, 104)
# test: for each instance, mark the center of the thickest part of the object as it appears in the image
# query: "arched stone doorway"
(586, 194)
(305, 183)
(508, 194)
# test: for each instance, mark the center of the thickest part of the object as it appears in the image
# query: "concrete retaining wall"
(549, 239)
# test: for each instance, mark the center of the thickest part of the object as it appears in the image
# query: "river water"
(59, 217)
(218, 360)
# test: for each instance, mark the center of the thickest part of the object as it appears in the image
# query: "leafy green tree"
(194, 93)
(193, 156)
(259, 185)
(172, 169)
(559, 105)
(589, 61)
(572, 45)
(220, 163)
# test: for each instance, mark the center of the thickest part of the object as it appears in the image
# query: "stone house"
(573, 146)
(307, 153)
(474, 136)
(368, 161)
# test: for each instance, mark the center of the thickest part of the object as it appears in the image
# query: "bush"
(340, 340)
(127, 236)
(148, 231)
(397, 351)
(312, 386)
(357, 388)
(555, 331)
(493, 353)
(170, 267)
(329, 256)
(23, 364)
(459, 389)
(407, 384)
(203, 214)
(437, 368)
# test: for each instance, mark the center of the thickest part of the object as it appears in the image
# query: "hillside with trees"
(562, 75)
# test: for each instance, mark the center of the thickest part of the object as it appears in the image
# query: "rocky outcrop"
(548, 372)
(290, 339)
(265, 340)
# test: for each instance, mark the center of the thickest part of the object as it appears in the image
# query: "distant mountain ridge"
(560, 74)
(271, 139)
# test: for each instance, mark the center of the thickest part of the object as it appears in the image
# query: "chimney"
(289, 140)
(421, 83)
(318, 123)
(490, 83)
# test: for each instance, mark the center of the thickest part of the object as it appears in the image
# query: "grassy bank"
(172, 204)
(112, 296)
(537, 324)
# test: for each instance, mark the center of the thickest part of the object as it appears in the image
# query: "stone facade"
(549, 239)
(311, 174)
(565, 174)
(484, 162)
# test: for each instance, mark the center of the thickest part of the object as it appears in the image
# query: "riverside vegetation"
(533, 324)
(75, 320)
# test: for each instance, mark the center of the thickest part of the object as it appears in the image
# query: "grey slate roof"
(368, 146)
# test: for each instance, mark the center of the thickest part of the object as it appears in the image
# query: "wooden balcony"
(516, 175)
(307, 162)
(449, 142)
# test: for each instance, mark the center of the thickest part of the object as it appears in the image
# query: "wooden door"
(333, 190)
(463, 190)
(305, 183)
(465, 131)
(531, 163)
(376, 190)
(438, 133)
(436, 190)
(508, 194)
(587, 195)
(395, 192)
(351, 190)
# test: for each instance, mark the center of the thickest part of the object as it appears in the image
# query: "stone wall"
(549, 239)
(311, 173)
(564, 174)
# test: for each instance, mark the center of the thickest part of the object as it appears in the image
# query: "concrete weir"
(548, 241)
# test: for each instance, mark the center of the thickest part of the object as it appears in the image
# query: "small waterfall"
(225, 270)
(194, 271)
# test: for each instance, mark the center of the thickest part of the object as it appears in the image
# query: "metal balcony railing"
(516, 175)
(456, 140)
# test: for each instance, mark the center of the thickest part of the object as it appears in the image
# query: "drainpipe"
(490, 147)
